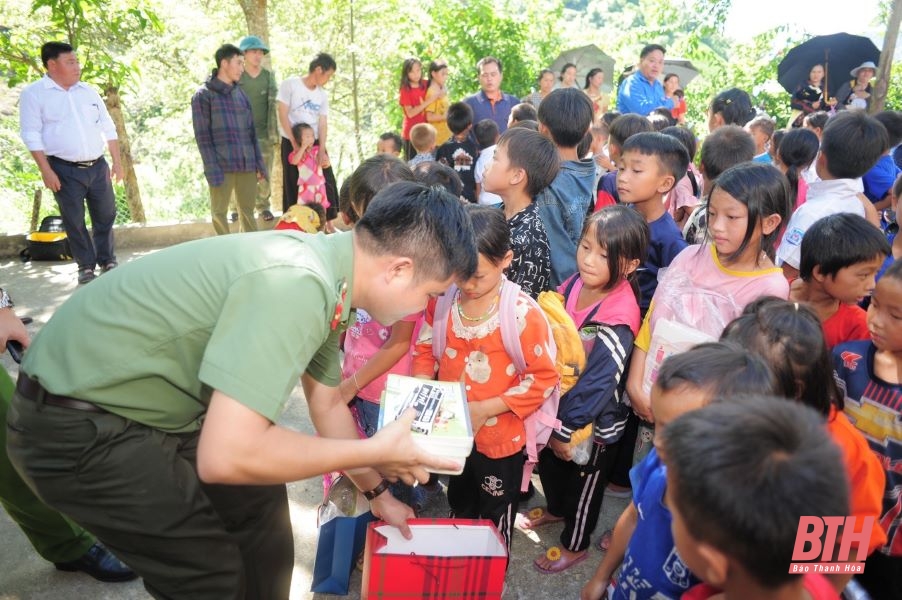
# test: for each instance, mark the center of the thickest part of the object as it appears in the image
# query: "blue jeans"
(91, 186)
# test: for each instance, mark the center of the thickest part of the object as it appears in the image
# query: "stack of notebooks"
(442, 425)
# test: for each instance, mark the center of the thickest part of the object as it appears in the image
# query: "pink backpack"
(540, 424)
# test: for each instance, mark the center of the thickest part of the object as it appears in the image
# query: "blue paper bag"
(341, 541)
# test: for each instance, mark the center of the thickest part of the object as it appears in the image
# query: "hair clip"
(728, 101)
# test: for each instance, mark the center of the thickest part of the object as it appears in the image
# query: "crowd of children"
(777, 243)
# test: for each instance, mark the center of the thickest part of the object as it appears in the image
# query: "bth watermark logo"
(815, 547)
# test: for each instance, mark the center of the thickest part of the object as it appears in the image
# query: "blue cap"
(252, 42)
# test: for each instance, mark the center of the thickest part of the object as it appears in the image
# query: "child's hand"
(393, 511)
(347, 389)
(642, 407)
(562, 450)
(603, 161)
(595, 589)
(477, 417)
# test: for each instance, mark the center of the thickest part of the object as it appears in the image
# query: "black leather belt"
(83, 164)
(32, 390)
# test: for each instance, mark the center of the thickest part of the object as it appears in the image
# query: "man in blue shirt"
(490, 102)
(641, 92)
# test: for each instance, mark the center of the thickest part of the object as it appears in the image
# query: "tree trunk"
(132, 191)
(258, 24)
(354, 80)
(257, 21)
(36, 207)
(886, 58)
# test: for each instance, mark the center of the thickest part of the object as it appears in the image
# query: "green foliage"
(104, 34)
(894, 92)
(160, 51)
(523, 35)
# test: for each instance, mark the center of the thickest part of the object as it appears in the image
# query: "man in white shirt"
(303, 100)
(64, 124)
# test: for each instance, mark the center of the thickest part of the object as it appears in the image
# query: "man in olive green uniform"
(259, 85)
(145, 408)
(53, 536)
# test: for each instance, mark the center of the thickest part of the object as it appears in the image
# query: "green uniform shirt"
(244, 314)
(262, 91)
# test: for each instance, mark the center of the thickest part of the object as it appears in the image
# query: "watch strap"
(373, 493)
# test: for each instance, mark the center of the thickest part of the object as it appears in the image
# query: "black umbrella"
(839, 53)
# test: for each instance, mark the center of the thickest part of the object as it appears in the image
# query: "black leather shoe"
(99, 563)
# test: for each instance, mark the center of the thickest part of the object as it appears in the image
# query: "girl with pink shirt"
(311, 181)
(708, 285)
(373, 350)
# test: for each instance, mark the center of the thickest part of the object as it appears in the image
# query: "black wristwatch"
(5, 300)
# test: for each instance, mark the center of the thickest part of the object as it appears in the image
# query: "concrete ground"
(38, 289)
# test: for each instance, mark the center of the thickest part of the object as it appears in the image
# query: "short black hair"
(649, 48)
(818, 119)
(298, 128)
(368, 179)
(734, 106)
(725, 147)
(535, 154)
(892, 121)
(487, 60)
(686, 137)
(226, 52)
(624, 235)
(838, 241)
(852, 143)
(486, 132)
(790, 337)
(762, 123)
(609, 117)
(323, 61)
(745, 499)
(460, 116)
(672, 156)
(394, 137)
(658, 121)
(531, 125)
(894, 271)
(426, 224)
(524, 112)
(777, 139)
(52, 50)
(661, 117)
(625, 126)
(719, 368)
(430, 172)
(493, 236)
(567, 113)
